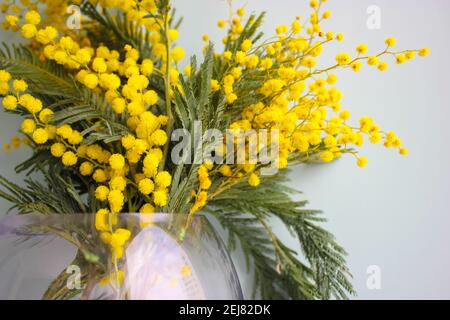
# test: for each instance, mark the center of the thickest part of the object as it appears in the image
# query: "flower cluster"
(297, 98)
(36, 124)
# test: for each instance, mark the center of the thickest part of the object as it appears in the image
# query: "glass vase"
(167, 256)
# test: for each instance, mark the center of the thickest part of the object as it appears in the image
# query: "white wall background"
(395, 213)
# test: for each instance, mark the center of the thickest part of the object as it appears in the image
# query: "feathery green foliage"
(247, 213)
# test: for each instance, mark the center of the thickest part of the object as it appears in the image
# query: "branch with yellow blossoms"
(100, 104)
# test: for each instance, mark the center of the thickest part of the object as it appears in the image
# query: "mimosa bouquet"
(120, 121)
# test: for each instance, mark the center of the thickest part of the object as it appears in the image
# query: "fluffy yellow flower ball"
(187, 71)
(356, 66)
(254, 180)
(118, 183)
(30, 103)
(4, 88)
(231, 98)
(83, 56)
(424, 52)
(332, 79)
(40, 136)
(246, 45)
(35, 106)
(116, 200)
(205, 184)
(5, 76)
(227, 55)
(20, 85)
(128, 141)
(100, 176)
(373, 61)
(225, 170)
(117, 162)
(158, 138)
(10, 102)
(147, 208)
(99, 65)
(178, 54)
(51, 130)
(101, 220)
(362, 162)
(147, 67)
(343, 58)
(266, 63)
(362, 48)
(47, 35)
(110, 82)
(327, 156)
(136, 108)
(29, 30)
(69, 159)
(160, 198)
(146, 186)
(28, 126)
(200, 202)
(65, 131)
(101, 193)
(120, 237)
(11, 20)
(173, 34)
(163, 179)
(281, 29)
(45, 115)
(296, 27)
(391, 41)
(75, 138)
(90, 81)
(400, 58)
(33, 17)
(86, 168)
(57, 150)
(221, 24)
(215, 86)
(150, 97)
(340, 37)
(326, 14)
(151, 162)
(119, 105)
(383, 66)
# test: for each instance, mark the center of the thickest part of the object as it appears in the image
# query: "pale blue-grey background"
(395, 213)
